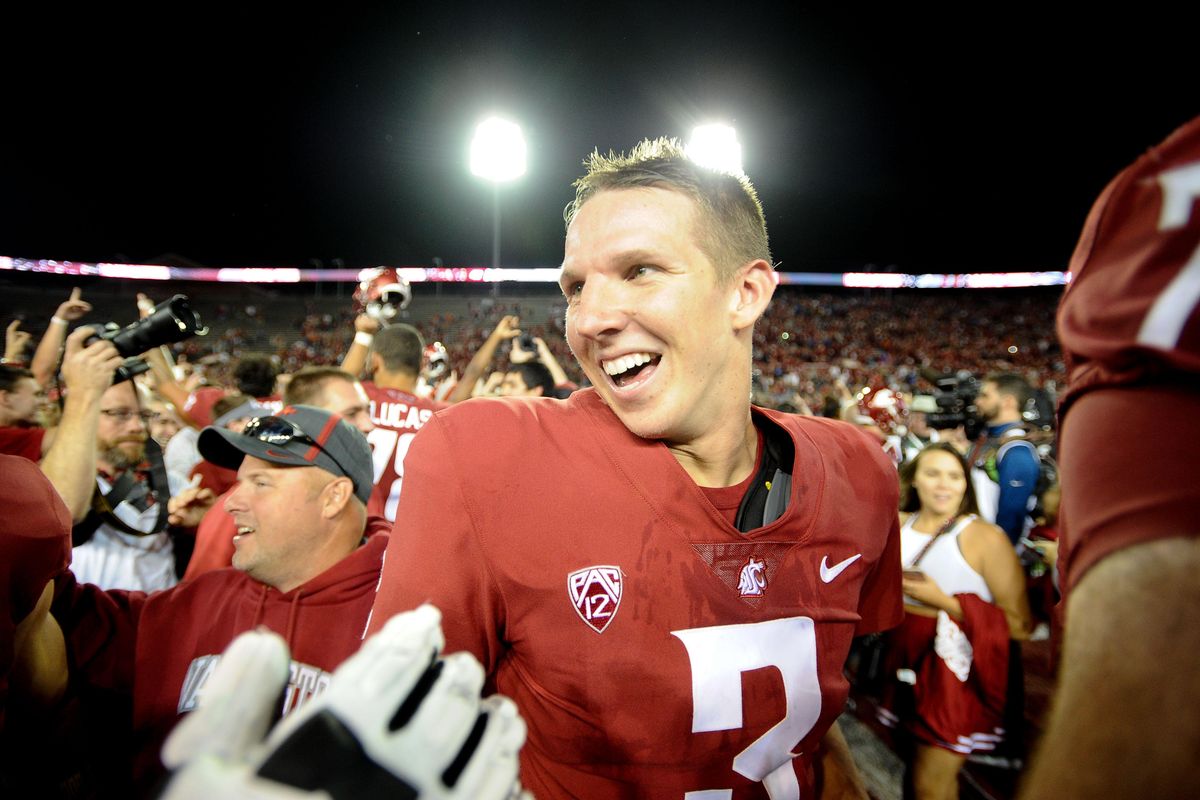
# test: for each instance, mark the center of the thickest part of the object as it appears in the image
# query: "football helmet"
(381, 294)
(886, 409)
(437, 362)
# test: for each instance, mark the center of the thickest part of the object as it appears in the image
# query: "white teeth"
(244, 529)
(625, 363)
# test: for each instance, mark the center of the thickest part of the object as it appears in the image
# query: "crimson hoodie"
(159, 649)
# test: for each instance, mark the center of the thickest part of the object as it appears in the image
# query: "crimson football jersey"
(397, 417)
(653, 649)
(1129, 322)
(1131, 305)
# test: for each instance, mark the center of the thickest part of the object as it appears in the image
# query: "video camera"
(171, 321)
(954, 395)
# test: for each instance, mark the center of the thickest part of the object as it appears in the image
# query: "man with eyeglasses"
(306, 565)
(66, 453)
(125, 540)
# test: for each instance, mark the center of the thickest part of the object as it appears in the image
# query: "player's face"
(940, 483)
(276, 510)
(647, 318)
(349, 400)
(120, 433)
(987, 402)
(21, 403)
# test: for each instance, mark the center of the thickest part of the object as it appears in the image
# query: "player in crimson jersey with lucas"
(1124, 724)
(664, 579)
(392, 356)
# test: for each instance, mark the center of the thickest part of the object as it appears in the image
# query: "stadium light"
(716, 146)
(497, 155)
(498, 150)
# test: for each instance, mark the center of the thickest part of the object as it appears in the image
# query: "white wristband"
(364, 338)
(57, 320)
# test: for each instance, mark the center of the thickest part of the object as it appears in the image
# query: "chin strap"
(771, 490)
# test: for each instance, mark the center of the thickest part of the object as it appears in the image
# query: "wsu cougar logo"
(596, 593)
(753, 579)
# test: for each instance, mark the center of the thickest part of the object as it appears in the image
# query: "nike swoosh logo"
(828, 573)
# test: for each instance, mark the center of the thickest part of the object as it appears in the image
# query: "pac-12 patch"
(596, 594)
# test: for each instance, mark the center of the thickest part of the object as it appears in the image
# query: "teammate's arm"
(1124, 722)
(355, 360)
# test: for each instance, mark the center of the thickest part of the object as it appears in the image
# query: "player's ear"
(750, 291)
(337, 495)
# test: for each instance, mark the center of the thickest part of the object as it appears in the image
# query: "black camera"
(171, 321)
(955, 396)
(527, 343)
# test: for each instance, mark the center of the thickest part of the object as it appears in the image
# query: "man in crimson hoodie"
(306, 565)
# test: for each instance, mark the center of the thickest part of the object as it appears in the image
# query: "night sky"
(268, 137)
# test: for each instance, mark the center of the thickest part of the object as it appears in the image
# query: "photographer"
(534, 366)
(129, 511)
(527, 379)
(507, 328)
(1004, 464)
(123, 541)
(66, 452)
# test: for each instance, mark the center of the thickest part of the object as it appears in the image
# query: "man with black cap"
(324, 387)
(306, 566)
(350, 739)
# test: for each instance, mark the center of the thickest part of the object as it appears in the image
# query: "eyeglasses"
(123, 415)
(280, 431)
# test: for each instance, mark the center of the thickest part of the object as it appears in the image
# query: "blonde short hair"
(730, 228)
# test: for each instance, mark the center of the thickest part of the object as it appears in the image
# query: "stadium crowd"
(807, 343)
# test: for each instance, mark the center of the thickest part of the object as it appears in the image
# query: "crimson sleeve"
(101, 631)
(881, 604)
(24, 442)
(435, 553)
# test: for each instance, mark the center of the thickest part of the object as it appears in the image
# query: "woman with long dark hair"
(964, 600)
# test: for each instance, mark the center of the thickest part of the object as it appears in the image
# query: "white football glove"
(396, 722)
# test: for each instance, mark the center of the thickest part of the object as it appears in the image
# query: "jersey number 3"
(719, 655)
